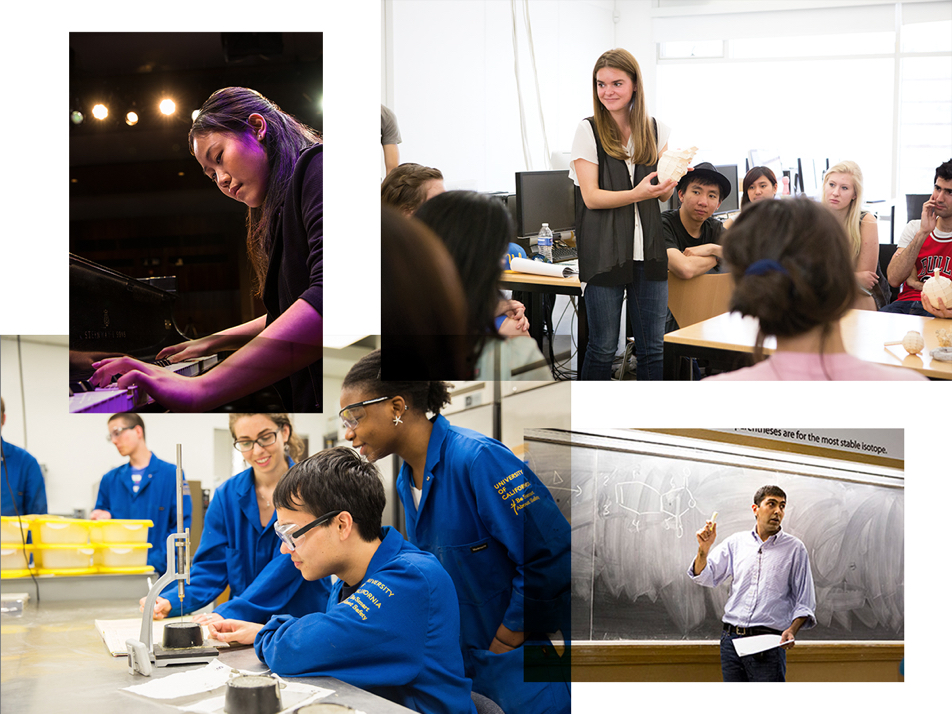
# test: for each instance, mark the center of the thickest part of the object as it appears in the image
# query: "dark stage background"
(139, 203)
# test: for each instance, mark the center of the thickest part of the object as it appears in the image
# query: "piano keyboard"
(111, 399)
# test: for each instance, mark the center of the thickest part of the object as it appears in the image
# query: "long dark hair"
(423, 309)
(811, 282)
(227, 110)
(476, 229)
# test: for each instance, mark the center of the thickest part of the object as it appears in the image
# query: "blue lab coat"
(396, 636)
(22, 474)
(496, 529)
(155, 501)
(237, 551)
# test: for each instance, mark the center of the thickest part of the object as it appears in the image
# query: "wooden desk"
(512, 280)
(729, 339)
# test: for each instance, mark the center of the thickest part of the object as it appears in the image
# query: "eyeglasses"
(115, 433)
(353, 413)
(288, 537)
(263, 440)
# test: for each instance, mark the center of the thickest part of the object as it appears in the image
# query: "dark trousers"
(906, 307)
(769, 666)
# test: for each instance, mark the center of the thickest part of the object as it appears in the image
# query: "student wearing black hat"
(691, 233)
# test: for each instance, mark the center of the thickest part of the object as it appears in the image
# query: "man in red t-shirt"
(924, 245)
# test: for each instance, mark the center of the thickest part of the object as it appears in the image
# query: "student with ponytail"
(793, 271)
(493, 525)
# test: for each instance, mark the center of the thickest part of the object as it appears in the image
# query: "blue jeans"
(648, 305)
(906, 307)
(769, 666)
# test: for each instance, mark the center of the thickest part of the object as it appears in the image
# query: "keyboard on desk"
(561, 254)
(87, 399)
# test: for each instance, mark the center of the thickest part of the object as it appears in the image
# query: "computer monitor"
(732, 202)
(544, 197)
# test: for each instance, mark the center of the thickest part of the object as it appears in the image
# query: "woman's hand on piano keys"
(193, 349)
(176, 393)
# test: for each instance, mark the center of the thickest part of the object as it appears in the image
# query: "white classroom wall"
(453, 87)
(807, 79)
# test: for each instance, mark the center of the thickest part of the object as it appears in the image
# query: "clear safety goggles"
(288, 535)
(353, 413)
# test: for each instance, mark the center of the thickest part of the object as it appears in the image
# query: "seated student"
(392, 621)
(408, 186)
(843, 195)
(429, 336)
(22, 478)
(239, 548)
(477, 230)
(760, 184)
(144, 488)
(792, 271)
(925, 244)
(691, 233)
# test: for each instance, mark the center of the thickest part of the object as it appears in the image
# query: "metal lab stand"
(55, 661)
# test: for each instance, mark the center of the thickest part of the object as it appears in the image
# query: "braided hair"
(404, 188)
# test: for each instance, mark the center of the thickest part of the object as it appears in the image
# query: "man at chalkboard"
(771, 590)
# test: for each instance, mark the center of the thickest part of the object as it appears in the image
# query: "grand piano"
(111, 315)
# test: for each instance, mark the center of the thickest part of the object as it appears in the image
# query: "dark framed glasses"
(263, 440)
(353, 413)
(288, 535)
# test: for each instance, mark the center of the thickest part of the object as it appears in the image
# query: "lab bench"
(54, 660)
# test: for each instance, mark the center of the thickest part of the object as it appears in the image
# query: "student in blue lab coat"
(239, 547)
(491, 522)
(23, 489)
(144, 488)
(392, 622)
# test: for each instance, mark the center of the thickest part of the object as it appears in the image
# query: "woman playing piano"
(259, 155)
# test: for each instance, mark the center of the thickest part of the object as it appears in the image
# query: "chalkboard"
(635, 509)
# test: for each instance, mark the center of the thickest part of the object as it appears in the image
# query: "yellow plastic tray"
(126, 571)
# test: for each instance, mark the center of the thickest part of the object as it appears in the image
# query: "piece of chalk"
(714, 517)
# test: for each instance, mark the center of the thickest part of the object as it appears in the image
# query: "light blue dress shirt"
(772, 583)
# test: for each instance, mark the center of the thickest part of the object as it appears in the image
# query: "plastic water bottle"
(545, 243)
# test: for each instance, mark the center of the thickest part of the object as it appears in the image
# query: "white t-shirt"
(909, 232)
(583, 147)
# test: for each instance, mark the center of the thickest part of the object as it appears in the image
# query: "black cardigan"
(605, 235)
(296, 269)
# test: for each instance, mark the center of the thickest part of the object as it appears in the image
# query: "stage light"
(76, 117)
(195, 114)
(100, 111)
(167, 107)
(132, 118)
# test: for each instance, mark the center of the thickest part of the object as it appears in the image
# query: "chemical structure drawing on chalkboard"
(673, 504)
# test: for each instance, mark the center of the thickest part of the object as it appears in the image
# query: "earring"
(397, 420)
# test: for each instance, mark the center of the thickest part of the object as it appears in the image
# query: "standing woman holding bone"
(618, 219)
